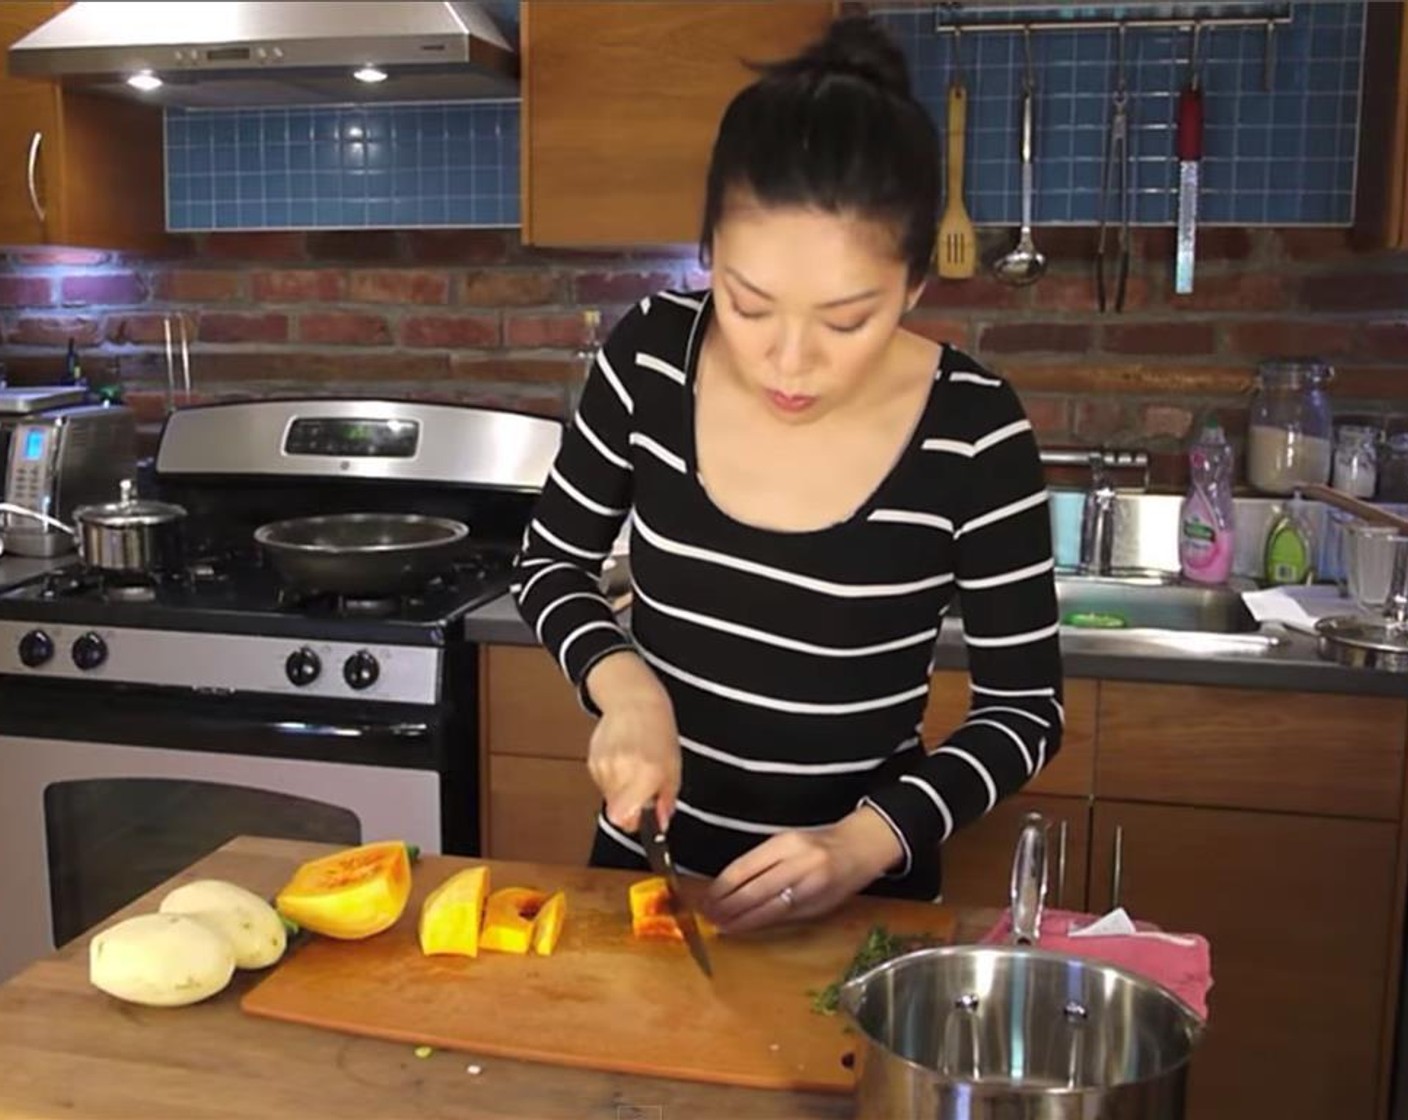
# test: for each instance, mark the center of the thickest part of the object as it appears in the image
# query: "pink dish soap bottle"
(1206, 523)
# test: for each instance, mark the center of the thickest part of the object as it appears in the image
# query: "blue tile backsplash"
(339, 167)
(1284, 157)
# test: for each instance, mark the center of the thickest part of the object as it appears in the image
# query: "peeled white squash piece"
(253, 928)
(161, 960)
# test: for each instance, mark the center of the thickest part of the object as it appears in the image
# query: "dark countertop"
(1293, 664)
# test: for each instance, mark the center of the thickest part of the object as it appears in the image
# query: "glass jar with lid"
(1393, 469)
(1290, 440)
(1356, 459)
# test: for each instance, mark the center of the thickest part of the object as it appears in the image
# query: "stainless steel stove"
(229, 625)
(145, 721)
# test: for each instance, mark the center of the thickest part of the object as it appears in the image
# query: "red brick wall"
(472, 315)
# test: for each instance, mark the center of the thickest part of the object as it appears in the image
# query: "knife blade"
(657, 851)
(1190, 152)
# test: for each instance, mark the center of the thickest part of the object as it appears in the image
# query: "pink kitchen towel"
(1180, 962)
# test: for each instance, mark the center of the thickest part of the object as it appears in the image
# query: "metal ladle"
(1025, 264)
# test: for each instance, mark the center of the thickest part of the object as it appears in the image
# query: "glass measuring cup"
(1376, 570)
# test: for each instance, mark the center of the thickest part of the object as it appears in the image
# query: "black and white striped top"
(798, 662)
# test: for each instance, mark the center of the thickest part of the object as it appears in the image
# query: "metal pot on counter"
(131, 536)
(1008, 1032)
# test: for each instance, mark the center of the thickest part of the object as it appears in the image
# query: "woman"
(809, 484)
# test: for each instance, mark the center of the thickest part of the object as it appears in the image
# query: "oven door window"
(111, 840)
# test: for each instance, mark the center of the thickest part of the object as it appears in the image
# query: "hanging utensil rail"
(950, 18)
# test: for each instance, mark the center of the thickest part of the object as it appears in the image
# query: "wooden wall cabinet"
(621, 100)
(75, 168)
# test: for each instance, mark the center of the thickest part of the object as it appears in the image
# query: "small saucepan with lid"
(131, 536)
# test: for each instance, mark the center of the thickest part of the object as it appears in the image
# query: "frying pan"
(366, 554)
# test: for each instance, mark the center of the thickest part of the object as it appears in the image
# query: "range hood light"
(144, 81)
(252, 53)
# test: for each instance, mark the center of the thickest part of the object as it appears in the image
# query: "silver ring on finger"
(788, 896)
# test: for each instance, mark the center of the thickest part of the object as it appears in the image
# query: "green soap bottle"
(1289, 557)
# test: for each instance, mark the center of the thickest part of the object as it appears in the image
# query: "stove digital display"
(33, 445)
(342, 438)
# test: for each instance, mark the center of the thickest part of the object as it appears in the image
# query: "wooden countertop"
(68, 1050)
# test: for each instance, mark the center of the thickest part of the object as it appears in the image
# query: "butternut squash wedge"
(350, 894)
(651, 916)
(509, 915)
(547, 926)
(452, 913)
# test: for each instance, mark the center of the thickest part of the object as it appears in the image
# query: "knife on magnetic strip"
(657, 851)
(1189, 143)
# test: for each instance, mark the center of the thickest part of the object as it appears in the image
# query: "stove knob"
(89, 651)
(302, 667)
(361, 670)
(36, 648)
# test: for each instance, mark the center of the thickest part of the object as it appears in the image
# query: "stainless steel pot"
(130, 536)
(1363, 642)
(997, 1032)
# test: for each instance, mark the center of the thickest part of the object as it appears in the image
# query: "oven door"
(106, 795)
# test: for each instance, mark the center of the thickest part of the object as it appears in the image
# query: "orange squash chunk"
(547, 927)
(509, 915)
(451, 915)
(651, 915)
(350, 894)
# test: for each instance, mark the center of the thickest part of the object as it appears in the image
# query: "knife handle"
(1189, 142)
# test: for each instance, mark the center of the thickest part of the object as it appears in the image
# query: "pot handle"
(1028, 887)
(43, 518)
(962, 1020)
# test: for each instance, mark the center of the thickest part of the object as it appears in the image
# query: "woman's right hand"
(634, 754)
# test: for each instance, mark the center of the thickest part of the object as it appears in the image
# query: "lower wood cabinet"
(1268, 822)
(1071, 772)
(541, 809)
(1299, 912)
(539, 802)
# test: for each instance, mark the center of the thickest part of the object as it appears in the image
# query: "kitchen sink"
(1152, 605)
(1148, 603)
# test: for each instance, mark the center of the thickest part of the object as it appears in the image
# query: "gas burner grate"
(80, 581)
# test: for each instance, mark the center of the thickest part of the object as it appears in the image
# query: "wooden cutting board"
(604, 1000)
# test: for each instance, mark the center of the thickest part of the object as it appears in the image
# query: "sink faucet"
(1097, 523)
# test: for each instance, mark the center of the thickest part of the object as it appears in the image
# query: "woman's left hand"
(797, 875)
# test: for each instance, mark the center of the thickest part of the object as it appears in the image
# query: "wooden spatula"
(958, 244)
(1363, 510)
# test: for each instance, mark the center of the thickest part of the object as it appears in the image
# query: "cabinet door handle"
(1061, 832)
(1117, 875)
(31, 176)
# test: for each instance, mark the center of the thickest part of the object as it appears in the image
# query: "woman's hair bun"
(858, 46)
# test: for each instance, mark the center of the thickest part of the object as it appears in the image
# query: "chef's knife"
(1190, 152)
(657, 851)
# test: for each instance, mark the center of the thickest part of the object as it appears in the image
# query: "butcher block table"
(68, 1050)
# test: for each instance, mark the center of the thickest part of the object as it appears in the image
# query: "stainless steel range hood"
(277, 52)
